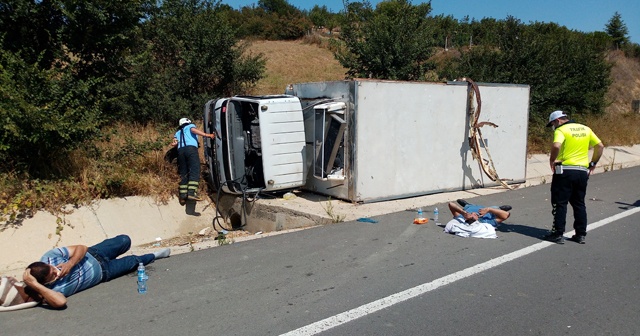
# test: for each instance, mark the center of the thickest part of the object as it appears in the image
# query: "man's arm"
(597, 154)
(500, 214)
(51, 297)
(201, 133)
(555, 150)
(455, 209)
(76, 253)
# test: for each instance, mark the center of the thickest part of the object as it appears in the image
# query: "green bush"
(394, 41)
(45, 114)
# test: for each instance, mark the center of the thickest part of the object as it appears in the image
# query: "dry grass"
(616, 129)
(626, 83)
(294, 62)
(620, 126)
(123, 163)
(132, 163)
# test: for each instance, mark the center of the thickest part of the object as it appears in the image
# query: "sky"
(581, 15)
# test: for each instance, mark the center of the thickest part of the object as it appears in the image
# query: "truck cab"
(259, 144)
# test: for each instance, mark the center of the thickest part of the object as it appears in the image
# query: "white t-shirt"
(476, 229)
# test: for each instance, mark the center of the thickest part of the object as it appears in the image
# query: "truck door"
(329, 126)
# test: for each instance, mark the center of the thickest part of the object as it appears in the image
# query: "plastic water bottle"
(142, 279)
(435, 214)
(420, 215)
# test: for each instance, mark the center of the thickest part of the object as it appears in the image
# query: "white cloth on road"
(475, 229)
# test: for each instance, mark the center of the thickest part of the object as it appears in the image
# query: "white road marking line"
(369, 308)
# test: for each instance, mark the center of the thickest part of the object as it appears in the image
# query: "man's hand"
(51, 297)
(64, 268)
(28, 278)
(76, 253)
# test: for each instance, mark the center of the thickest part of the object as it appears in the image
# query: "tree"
(32, 29)
(45, 113)
(391, 42)
(617, 29)
(279, 7)
(320, 16)
(191, 55)
(272, 20)
(99, 35)
(59, 59)
(566, 70)
(96, 35)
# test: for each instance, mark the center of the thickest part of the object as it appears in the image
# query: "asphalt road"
(388, 278)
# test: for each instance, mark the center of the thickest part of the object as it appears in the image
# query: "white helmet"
(184, 121)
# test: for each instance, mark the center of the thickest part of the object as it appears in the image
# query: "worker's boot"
(191, 191)
(182, 194)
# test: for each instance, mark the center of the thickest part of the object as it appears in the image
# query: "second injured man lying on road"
(471, 220)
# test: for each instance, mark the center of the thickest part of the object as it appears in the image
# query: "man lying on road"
(473, 220)
(64, 271)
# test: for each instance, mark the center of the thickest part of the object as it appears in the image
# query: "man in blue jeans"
(186, 141)
(64, 271)
(471, 220)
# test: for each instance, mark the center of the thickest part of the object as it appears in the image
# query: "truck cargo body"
(374, 140)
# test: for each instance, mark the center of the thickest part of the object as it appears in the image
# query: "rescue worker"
(569, 161)
(186, 140)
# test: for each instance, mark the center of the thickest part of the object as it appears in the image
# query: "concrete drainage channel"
(264, 216)
(267, 216)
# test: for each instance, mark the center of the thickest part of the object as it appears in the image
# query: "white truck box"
(375, 140)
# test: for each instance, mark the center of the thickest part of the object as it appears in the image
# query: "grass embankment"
(620, 126)
(129, 160)
(294, 62)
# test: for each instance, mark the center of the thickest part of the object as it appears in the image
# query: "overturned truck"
(370, 140)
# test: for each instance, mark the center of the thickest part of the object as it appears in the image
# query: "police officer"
(186, 140)
(569, 161)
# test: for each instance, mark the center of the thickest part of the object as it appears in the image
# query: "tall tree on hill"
(319, 15)
(272, 20)
(617, 29)
(391, 42)
(280, 7)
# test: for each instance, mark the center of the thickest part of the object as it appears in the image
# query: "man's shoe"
(554, 237)
(462, 202)
(182, 201)
(194, 198)
(505, 207)
(578, 239)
